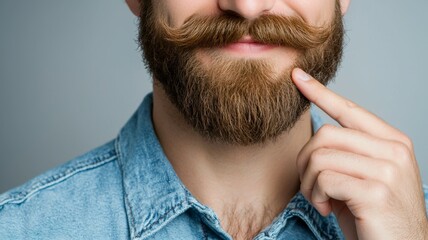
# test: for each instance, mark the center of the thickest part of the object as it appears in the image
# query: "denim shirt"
(127, 189)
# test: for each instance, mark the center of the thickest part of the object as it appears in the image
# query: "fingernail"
(302, 76)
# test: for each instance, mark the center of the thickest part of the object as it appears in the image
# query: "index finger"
(344, 111)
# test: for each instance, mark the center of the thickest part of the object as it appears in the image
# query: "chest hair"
(245, 222)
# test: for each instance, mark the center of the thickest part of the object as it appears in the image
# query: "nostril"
(249, 9)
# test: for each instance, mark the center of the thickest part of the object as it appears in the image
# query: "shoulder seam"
(22, 196)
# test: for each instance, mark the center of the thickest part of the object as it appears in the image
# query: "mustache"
(221, 30)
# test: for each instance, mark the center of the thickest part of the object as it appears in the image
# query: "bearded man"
(226, 146)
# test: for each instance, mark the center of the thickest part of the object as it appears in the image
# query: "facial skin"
(230, 75)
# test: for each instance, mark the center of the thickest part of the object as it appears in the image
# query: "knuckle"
(325, 130)
(380, 192)
(319, 154)
(324, 177)
(311, 167)
(407, 141)
(400, 151)
(350, 104)
(389, 173)
(316, 160)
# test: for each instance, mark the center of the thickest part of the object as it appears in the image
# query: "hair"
(236, 101)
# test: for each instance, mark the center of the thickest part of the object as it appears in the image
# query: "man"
(226, 146)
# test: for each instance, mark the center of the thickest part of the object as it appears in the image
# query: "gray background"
(71, 76)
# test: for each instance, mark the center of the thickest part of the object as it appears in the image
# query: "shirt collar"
(154, 195)
(322, 227)
(153, 192)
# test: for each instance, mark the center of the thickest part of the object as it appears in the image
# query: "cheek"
(314, 12)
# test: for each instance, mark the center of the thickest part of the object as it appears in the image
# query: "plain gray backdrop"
(71, 75)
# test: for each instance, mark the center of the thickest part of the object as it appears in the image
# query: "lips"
(248, 45)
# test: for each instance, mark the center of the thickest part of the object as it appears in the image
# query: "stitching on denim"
(297, 207)
(308, 221)
(128, 203)
(131, 213)
(18, 198)
(314, 219)
(337, 230)
(329, 230)
(161, 220)
(317, 223)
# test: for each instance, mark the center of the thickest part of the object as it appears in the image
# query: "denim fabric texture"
(127, 189)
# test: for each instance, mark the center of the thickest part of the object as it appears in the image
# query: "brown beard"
(237, 101)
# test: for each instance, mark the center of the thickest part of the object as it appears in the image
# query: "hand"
(365, 171)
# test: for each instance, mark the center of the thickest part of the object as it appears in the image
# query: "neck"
(221, 175)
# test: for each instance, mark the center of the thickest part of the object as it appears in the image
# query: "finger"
(362, 197)
(345, 112)
(350, 140)
(347, 163)
(338, 186)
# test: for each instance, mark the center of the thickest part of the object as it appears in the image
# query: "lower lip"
(244, 47)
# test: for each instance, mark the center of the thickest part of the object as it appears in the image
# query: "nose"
(249, 9)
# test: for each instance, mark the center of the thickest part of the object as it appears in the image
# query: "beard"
(234, 100)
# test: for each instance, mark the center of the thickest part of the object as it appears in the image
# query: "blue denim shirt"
(127, 189)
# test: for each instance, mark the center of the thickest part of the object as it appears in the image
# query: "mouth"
(247, 45)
